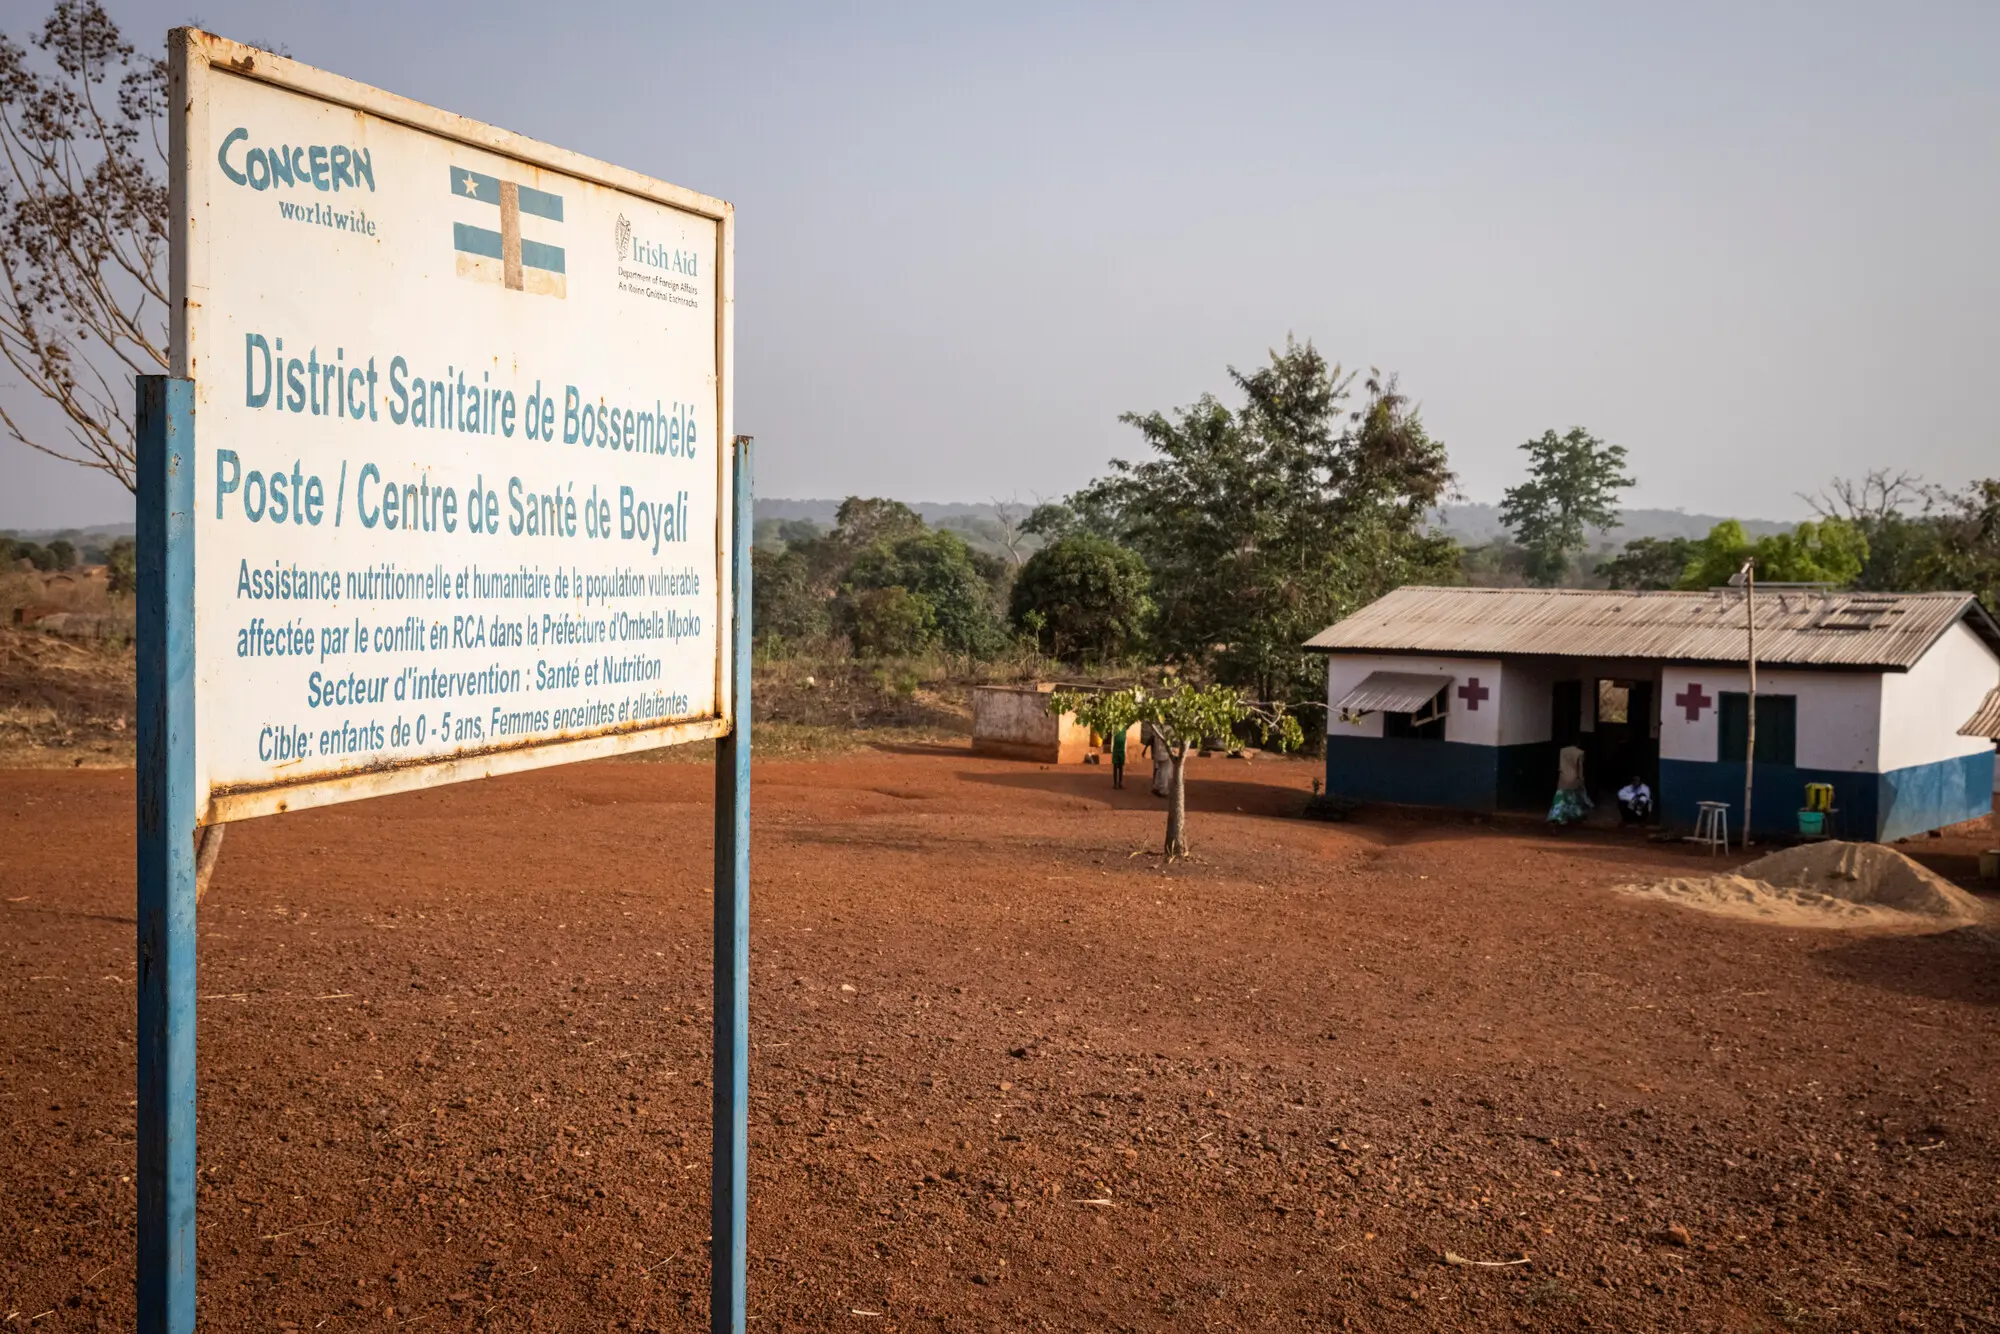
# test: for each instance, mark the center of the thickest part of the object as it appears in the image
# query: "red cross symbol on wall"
(1693, 701)
(1472, 692)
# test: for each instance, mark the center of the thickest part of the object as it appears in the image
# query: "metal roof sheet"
(1795, 627)
(1392, 692)
(1986, 721)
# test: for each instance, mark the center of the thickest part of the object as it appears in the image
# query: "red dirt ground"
(1007, 1075)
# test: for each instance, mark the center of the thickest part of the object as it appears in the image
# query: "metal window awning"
(1986, 721)
(1392, 692)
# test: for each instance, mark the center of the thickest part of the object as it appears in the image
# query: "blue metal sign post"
(729, 1182)
(166, 994)
(166, 885)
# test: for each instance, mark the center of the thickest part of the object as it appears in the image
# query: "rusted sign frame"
(194, 59)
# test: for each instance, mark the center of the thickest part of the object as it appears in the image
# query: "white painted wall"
(1923, 708)
(1838, 714)
(1529, 696)
(1525, 701)
(1854, 722)
(1478, 727)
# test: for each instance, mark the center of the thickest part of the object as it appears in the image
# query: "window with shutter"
(1777, 728)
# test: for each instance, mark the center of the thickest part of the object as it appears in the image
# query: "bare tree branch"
(1008, 516)
(1871, 498)
(83, 233)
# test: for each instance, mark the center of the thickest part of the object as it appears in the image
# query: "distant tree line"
(63, 553)
(1246, 529)
(1885, 532)
(882, 579)
(1249, 526)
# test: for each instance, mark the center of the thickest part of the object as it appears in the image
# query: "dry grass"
(68, 702)
(66, 677)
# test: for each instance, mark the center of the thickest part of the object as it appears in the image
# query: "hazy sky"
(1753, 243)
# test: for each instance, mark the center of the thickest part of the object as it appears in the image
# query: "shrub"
(122, 563)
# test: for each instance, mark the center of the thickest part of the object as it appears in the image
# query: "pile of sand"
(1825, 885)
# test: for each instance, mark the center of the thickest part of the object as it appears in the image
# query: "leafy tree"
(1177, 718)
(1967, 555)
(801, 569)
(1496, 564)
(1051, 520)
(861, 523)
(890, 622)
(1898, 513)
(1904, 552)
(1086, 596)
(938, 566)
(62, 554)
(121, 562)
(1574, 481)
(83, 231)
(1650, 562)
(785, 605)
(1261, 526)
(1828, 551)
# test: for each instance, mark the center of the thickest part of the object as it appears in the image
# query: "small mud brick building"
(1463, 697)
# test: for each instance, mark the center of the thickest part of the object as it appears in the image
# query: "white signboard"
(461, 442)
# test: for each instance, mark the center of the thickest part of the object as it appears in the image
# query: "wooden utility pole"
(1750, 731)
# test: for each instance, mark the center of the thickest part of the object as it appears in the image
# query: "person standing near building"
(1118, 758)
(1572, 801)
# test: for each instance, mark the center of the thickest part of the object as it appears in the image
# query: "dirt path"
(1007, 1075)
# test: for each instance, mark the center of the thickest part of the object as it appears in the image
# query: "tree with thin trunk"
(1573, 485)
(83, 233)
(1179, 719)
(1008, 533)
(1264, 523)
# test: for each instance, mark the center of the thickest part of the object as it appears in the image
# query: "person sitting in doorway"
(1635, 802)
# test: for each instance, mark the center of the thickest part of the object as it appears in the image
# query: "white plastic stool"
(1711, 825)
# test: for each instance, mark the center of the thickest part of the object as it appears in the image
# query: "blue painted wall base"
(1423, 773)
(1931, 796)
(1441, 773)
(1872, 806)
(1487, 778)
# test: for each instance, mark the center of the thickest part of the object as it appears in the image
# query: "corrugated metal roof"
(1392, 692)
(1795, 627)
(1986, 722)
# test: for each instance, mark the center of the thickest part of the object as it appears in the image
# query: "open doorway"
(1612, 721)
(1628, 744)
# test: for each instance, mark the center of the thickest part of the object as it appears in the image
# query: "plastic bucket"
(1812, 822)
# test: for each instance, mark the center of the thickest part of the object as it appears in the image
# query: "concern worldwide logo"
(506, 257)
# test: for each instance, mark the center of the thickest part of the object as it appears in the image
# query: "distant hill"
(94, 534)
(1476, 524)
(821, 512)
(1471, 525)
